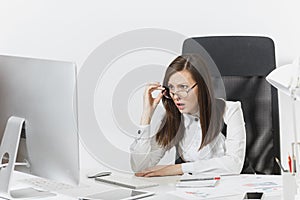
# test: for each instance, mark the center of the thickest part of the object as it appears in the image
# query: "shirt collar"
(189, 119)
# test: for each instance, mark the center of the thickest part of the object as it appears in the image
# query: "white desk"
(238, 183)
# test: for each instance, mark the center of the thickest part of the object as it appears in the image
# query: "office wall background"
(71, 30)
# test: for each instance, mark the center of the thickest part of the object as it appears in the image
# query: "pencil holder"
(289, 185)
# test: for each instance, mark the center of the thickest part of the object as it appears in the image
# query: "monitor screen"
(44, 93)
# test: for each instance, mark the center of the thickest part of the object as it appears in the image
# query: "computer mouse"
(98, 174)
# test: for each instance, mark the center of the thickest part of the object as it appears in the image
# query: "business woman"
(192, 123)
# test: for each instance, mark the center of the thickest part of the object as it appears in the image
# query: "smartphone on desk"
(254, 195)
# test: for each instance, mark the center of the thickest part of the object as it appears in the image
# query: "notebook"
(129, 182)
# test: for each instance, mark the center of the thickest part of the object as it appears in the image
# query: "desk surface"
(229, 187)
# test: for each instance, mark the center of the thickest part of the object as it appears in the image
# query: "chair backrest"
(244, 62)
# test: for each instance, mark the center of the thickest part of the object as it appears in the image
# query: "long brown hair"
(171, 130)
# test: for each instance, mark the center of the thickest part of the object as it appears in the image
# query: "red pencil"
(290, 163)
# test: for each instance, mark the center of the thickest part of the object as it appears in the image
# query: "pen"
(294, 164)
(279, 164)
(290, 163)
(201, 179)
(294, 158)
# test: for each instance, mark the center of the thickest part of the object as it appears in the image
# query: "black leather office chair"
(244, 62)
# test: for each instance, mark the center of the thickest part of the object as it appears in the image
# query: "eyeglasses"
(180, 93)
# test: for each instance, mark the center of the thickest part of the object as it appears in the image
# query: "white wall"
(71, 30)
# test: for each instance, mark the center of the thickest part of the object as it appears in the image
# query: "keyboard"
(48, 185)
(129, 182)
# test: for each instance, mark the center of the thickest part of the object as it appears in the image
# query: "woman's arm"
(235, 146)
(161, 170)
(145, 152)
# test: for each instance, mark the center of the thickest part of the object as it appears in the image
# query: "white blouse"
(224, 155)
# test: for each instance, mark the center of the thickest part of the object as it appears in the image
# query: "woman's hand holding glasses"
(150, 102)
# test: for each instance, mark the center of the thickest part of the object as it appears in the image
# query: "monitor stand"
(8, 156)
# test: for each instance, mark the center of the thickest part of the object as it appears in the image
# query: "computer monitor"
(44, 93)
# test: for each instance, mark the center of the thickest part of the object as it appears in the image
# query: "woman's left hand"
(161, 170)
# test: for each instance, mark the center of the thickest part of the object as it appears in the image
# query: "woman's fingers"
(145, 174)
(142, 173)
(151, 88)
(158, 98)
(139, 174)
(150, 174)
(150, 103)
(152, 171)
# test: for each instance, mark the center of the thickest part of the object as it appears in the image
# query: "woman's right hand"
(150, 103)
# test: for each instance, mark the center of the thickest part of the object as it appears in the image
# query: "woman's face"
(183, 81)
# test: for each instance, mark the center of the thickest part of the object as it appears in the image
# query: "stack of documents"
(198, 181)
